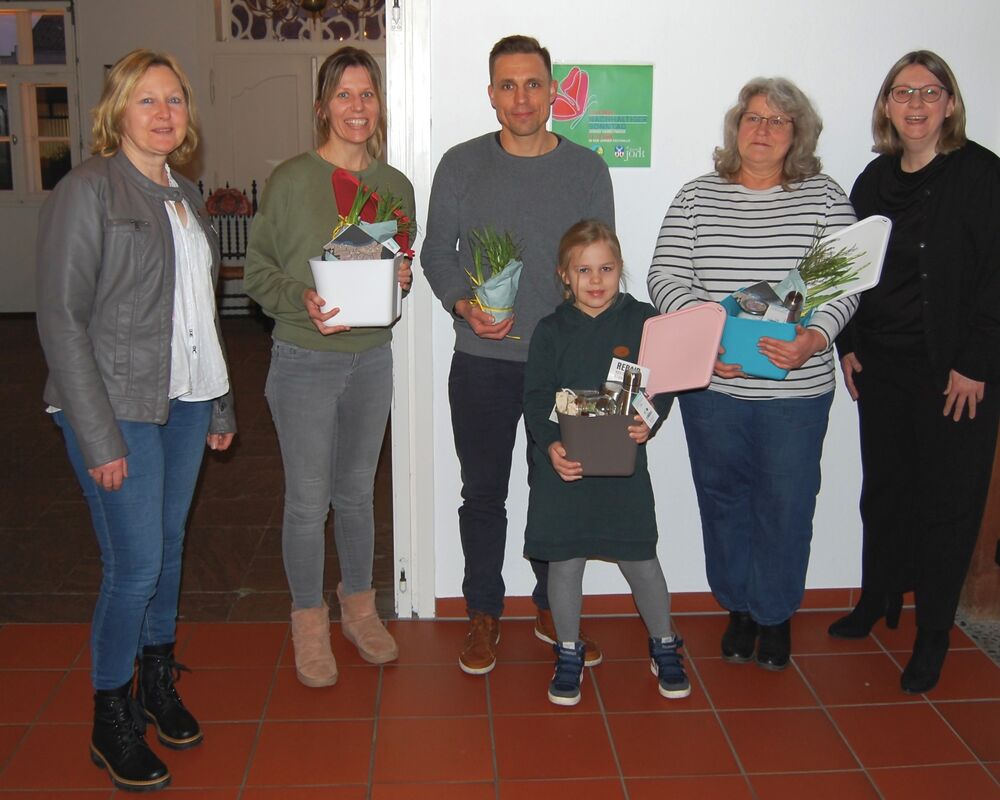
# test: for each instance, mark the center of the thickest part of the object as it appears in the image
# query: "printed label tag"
(617, 371)
(776, 313)
(645, 409)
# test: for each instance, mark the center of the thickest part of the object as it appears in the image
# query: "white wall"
(703, 52)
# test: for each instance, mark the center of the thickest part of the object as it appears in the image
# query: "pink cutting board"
(681, 348)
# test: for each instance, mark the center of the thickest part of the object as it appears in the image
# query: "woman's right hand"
(565, 469)
(314, 308)
(850, 364)
(110, 476)
(728, 370)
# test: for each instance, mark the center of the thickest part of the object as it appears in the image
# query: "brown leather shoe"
(479, 655)
(545, 629)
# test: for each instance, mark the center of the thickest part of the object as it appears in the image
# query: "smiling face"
(918, 122)
(353, 110)
(522, 92)
(155, 120)
(763, 147)
(593, 276)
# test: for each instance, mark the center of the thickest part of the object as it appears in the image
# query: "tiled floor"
(833, 725)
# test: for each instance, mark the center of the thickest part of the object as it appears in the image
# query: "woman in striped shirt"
(755, 444)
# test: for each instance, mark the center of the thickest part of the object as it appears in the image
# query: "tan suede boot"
(362, 626)
(314, 661)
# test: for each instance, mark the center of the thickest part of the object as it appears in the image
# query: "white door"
(261, 115)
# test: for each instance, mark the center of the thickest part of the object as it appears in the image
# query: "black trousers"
(926, 479)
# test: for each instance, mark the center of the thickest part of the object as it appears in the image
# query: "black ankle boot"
(924, 668)
(775, 646)
(739, 639)
(117, 743)
(175, 726)
(871, 607)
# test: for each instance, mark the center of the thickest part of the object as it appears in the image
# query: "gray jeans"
(330, 411)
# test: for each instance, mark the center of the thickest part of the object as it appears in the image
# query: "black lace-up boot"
(119, 746)
(158, 674)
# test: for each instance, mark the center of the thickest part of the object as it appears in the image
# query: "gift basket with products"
(358, 267)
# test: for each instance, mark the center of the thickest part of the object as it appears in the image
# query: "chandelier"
(290, 9)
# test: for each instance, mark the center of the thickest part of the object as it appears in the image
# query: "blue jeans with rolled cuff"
(756, 470)
(140, 532)
(487, 396)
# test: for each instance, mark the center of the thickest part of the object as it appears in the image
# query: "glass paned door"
(6, 167)
(52, 115)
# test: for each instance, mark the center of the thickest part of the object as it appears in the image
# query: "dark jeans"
(756, 471)
(926, 479)
(486, 396)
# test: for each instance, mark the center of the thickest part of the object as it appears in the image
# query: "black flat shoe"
(871, 607)
(176, 727)
(739, 639)
(118, 745)
(775, 646)
(924, 668)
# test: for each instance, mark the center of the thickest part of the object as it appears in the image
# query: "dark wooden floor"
(49, 562)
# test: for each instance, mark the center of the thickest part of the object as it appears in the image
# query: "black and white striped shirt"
(718, 237)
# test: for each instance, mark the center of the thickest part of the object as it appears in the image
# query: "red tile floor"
(833, 725)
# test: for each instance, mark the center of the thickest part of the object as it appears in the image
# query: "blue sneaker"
(564, 689)
(666, 664)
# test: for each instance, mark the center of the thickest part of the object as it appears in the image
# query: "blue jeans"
(330, 410)
(140, 531)
(487, 396)
(756, 471)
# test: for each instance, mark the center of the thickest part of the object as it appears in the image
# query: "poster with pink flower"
(607, 108)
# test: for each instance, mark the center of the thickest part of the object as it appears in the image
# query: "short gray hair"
(801, 161)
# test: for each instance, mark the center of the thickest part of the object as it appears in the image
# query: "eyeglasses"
(775, 124)
(930, 93)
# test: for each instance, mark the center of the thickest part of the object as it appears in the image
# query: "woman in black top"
(921, 357)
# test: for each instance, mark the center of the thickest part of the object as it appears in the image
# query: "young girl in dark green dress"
(572, 518)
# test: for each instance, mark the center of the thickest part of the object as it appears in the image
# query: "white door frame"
(408, 90)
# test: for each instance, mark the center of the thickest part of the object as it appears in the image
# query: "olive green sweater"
(297, 215)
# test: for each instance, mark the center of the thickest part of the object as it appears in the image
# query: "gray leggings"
(330, 411)
(649, 589)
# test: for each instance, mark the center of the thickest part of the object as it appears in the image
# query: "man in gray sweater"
(530, 183)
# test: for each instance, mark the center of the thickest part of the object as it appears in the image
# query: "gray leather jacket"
(105, 285)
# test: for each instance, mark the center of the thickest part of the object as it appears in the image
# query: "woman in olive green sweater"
(329, 387)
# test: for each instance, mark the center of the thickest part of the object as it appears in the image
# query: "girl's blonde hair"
(118, 87)
(583, 234)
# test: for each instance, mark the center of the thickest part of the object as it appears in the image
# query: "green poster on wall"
(607, 108)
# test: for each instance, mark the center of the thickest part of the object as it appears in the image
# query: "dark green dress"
(597, 517)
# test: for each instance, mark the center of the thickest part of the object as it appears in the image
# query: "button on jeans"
(756, 471)
(140, 531)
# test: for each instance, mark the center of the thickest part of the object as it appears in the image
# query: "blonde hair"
(118, 87)
(952, 137)
(328, 79)
(583, 234)
(801, 161)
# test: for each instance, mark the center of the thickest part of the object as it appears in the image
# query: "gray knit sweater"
(536, 199)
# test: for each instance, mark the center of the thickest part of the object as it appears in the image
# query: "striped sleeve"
(672, 275)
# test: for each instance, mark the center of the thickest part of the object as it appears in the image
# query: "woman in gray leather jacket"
(138, 383)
